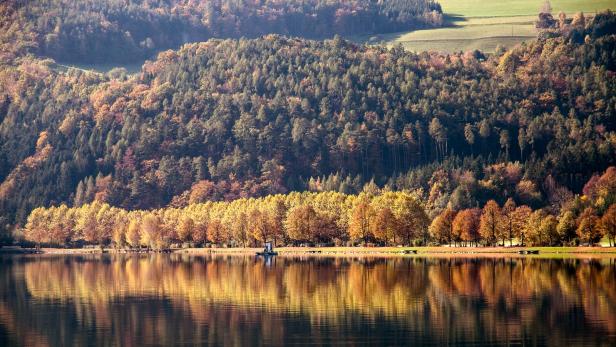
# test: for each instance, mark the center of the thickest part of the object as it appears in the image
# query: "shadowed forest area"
(108, 31)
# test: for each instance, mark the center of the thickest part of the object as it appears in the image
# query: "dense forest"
(91, 31)
(229, 119)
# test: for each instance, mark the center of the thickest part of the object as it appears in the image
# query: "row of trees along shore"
(376, 216)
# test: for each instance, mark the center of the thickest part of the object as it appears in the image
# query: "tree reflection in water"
(175, 299)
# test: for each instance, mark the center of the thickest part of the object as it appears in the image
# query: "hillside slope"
(230, 118)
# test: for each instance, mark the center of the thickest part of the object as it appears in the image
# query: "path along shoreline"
(336, 251)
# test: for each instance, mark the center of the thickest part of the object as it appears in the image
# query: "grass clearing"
(478, 24)
(510, 8)
(463, 35)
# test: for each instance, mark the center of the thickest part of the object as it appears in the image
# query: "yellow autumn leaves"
(316, 218)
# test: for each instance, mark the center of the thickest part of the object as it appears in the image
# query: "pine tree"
(80, 194)
(90, 191)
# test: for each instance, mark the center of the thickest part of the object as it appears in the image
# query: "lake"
(180, 299)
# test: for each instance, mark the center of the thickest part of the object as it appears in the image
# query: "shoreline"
(336, 251)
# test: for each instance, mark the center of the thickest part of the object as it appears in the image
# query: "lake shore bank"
(337, 251)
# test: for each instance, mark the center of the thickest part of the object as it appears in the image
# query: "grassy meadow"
(511, 8)
(483, 25)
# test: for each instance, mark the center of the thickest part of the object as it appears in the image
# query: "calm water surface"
(241, 300)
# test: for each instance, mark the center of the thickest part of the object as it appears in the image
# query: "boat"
(410, 251)
(529, 251)
(268, 250)
(267, 254)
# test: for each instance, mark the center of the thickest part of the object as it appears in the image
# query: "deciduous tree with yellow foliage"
(490, 224)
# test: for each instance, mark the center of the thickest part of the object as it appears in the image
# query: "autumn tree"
(566, 227)
(260, 225)
(508, 213)
(533, 233)
(549, 231)
(105, 219)
(239, 228)
(384, 226)
(133, 235)
(601, 189)
(150, 230)
(185, 228)
(359, 223)
(36, 227)
(86, 226)
(519, 222)
(200, 232)
(412, 218)
(466, 224)
(277, 214)
(120, 229)
(490, 225)
(441, 228)
(325, 228)
(215, 232)
(300, 223)
(61, 225)
(608, 224)
(587, 230)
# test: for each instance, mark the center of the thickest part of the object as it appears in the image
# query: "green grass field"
(468, 34)
(510, 8)
(483, 25)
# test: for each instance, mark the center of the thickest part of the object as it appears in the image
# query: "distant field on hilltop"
(468, 34)
(483, 25)
(508, 8)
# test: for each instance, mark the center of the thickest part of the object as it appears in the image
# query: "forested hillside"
(94, 31)
(226, 119)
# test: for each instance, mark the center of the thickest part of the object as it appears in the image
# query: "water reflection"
(181, 299)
